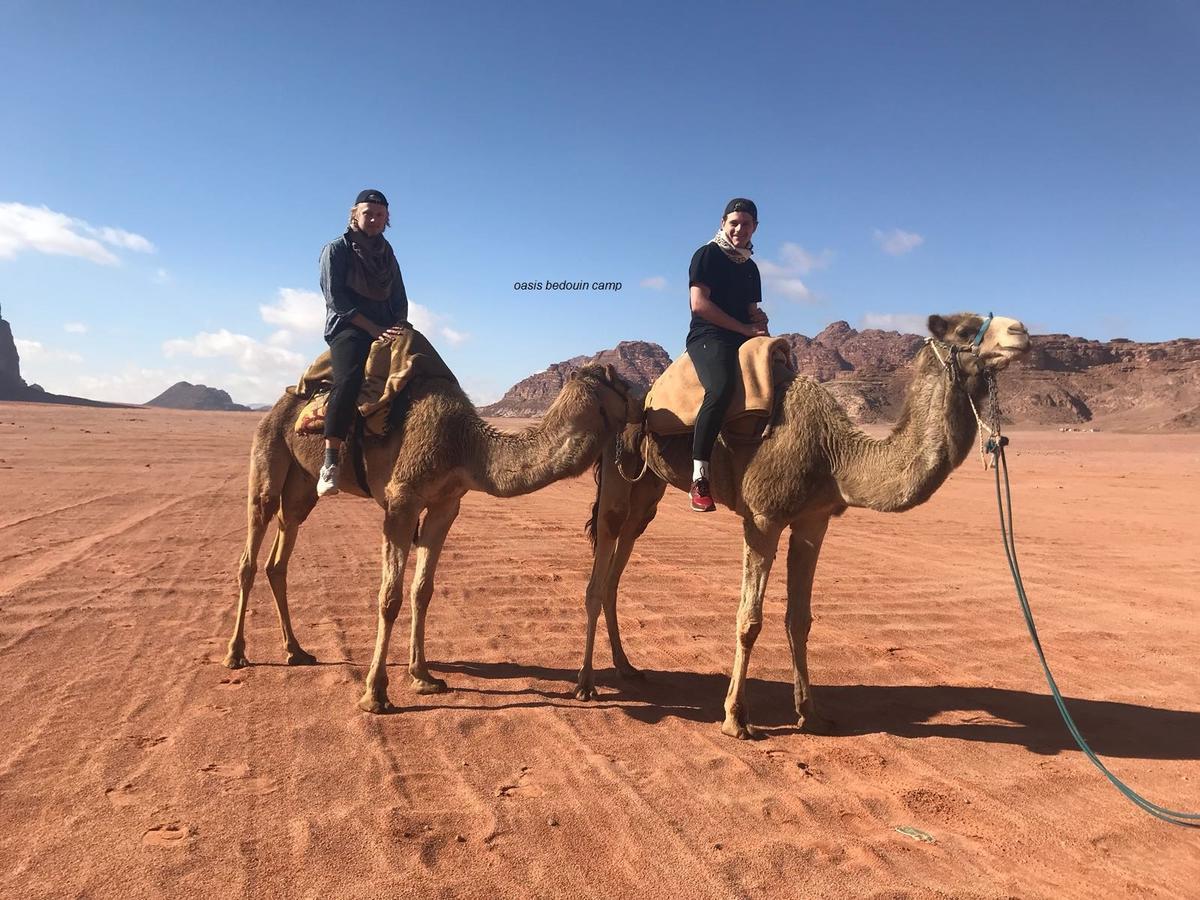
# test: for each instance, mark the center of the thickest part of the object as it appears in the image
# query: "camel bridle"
(989, 436)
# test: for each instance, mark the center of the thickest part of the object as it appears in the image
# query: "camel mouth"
(1009, 341)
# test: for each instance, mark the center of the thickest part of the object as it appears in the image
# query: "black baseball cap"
(370, 195)
(741, 204)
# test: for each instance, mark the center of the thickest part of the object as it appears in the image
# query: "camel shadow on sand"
(968, 713)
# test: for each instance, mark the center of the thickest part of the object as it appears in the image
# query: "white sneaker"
(327, 483)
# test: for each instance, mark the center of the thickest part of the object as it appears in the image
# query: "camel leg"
(804, 546)
(299, 498)
(644, 506)
(260, 507)
(434, 529)
(398, 525)
(612, 508)
(759, 553)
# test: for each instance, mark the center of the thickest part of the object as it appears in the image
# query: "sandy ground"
(133, 764)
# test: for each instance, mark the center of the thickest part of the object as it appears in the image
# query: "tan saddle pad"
(675, 398)
(391, 365)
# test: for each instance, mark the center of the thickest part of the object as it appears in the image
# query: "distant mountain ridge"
(638, 362)
(185, 395)
(13, 386)
(1065, 381)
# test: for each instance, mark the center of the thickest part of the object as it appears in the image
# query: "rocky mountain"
(638, 362)
(1066, 381)
(12, 385)
(185, 395)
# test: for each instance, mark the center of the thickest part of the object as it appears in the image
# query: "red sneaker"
(702, 500)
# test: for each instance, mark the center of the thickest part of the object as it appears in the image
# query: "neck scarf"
(737, 254)
(373, 266)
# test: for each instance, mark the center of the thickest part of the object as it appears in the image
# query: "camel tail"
(590, 526)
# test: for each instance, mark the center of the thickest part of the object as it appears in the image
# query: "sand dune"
(134, 764)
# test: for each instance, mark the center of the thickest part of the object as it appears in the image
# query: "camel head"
(609, 394)
(1002, 340)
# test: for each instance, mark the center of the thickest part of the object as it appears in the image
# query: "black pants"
(348, 351)
(717, 366)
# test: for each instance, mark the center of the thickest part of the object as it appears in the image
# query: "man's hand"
(758, 322)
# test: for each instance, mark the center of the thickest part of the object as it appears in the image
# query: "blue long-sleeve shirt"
(342, 302)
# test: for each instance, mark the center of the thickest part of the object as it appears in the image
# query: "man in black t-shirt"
(725, 290)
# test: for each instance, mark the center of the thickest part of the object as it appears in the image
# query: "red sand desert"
(134, 765)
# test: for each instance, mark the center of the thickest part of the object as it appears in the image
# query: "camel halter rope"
(639, 438)
(994, 447)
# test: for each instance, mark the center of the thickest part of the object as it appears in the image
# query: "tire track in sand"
(51, 561)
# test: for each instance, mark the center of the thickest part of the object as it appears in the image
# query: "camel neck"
(563, 444)
(933, 436)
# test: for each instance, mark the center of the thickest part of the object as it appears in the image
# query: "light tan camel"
(443, 450)
(813, 466)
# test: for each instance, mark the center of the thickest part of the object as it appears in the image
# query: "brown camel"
(443, 450)
(814, 465)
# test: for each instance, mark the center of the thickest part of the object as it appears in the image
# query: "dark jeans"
(717, 366)
(348, 351)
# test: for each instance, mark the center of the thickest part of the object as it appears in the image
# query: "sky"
(170, 172)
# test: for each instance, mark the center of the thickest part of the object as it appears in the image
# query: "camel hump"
(391, 365)
(675, 398)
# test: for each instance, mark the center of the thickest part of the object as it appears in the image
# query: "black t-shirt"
(731, 286)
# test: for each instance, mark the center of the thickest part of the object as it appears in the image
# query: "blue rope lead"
(1188, 820)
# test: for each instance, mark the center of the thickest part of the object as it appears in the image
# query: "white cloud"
(898, 242)
(36, 352)
(249, 354)
(120, 238)
(260, 370)
(796, 257)
(783, 278)
(41, 229)
(162, 276)
(654, 282)
(301, 314)
(296, 310)
(431, 325)
(75, 328)
(906, 323)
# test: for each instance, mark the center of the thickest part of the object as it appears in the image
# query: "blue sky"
(168, 177)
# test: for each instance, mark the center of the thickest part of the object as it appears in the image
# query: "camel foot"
(372, 704)
(740, 730)
(629, 673)
(299, 657)
(586, 690)
(811, 723)
(236, 660)
(429, 685)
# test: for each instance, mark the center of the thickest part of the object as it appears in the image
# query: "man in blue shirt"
(364, 300)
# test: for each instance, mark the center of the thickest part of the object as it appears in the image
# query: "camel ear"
(938, 326)
(610, 373)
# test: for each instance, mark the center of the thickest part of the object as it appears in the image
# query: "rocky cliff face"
(638, 362)
(185, 395)
(12, 385)
(1065, 381)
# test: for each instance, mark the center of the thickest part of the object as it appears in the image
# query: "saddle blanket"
(391, 365)
(675, 398)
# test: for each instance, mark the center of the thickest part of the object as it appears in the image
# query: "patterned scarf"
(373, 267)
(737, 254)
